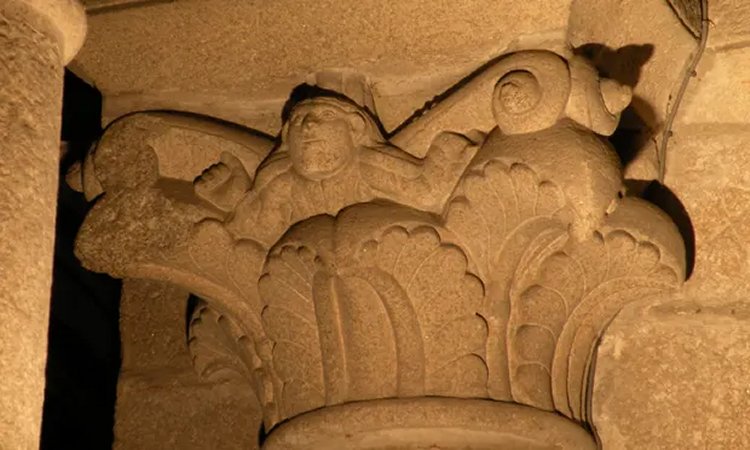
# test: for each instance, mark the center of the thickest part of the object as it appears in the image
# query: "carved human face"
(320, 139)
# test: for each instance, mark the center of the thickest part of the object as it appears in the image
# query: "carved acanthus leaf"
(221, 351)
(550, 294)
(360, 309)
(289, 318)
(506, 217)
(444, 301)
(491, 203)
(637, 254)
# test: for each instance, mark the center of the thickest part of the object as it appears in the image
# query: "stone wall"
(690, 355)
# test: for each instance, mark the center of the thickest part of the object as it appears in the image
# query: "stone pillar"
(37, 39)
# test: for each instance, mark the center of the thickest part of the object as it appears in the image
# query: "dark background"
(84, 343)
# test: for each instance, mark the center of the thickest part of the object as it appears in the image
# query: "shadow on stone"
(638, 122)
(634, 132)
(84, 345)
(664, 198)
(623, 64)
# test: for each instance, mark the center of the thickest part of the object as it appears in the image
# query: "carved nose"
(309, 122)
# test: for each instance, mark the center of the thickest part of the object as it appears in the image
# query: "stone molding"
(337, 267)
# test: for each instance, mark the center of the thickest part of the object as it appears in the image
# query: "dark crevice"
(83, 358)
(664, 198)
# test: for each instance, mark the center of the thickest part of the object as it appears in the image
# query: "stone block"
(709, 172)
(674, 376)
(728, 26)
(173, 410)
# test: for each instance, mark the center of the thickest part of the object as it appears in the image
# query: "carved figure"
(331, 155)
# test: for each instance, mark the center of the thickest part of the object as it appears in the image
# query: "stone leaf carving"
(486, 269)
(496, 217)
(559, 258)
(371, 305)
(556, 319)
(223, 352)
(220, 350)
(445, 299)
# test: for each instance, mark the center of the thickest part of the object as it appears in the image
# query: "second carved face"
(321, 138)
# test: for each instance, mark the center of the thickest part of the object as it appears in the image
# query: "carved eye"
(327, 115)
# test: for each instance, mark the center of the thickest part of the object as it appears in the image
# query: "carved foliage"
(222, 352)
(500, 301)
(501, 295)
(290, 322)
(219, 348)
(354, 317)
(433, 302)
(550, 295)
(556, 319)
(506, 217)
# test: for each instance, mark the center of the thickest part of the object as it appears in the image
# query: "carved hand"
(450, 153)
(224, 183)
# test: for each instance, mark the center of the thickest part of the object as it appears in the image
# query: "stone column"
(37, 39)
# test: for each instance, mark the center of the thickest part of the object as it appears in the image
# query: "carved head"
(323, 135)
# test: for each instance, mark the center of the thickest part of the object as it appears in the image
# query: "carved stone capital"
(337, 267)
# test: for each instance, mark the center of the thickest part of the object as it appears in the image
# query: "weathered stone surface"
(708, 171)
(651, 55)
(32, 50)
(474, 249)
(153, 326)
(172, 409)
(629, 48)
(674, 376)
(238, 60)
(160, 400)
(423, 48)
(720, 92)
(728, 25)
(69, 21)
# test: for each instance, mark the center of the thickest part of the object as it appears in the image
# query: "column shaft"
(31, 72)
